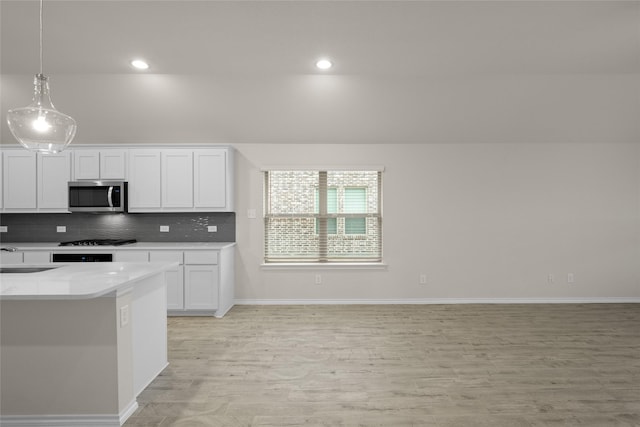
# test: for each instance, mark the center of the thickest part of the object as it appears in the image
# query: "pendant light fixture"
(39, 126)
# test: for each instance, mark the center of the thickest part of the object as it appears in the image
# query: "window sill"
(325, 266)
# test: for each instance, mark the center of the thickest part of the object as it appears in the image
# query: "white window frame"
(323, 262)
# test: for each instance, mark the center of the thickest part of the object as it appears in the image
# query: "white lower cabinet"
(193, 286)
(202, 283)
(201, 287)
(201, 280)
(11, 257)
(131, 256)
(175, 278)
(26, 257)
(175, 288)
(37, 257)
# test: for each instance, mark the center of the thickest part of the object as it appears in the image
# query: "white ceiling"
(406, 71)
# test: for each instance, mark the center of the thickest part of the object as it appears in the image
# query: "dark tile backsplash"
(183, 227)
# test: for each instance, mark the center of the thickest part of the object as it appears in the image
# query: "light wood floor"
(399, 365)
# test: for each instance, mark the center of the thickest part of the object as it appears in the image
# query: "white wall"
(483, 221)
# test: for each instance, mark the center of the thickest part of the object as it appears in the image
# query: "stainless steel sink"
(24, 269)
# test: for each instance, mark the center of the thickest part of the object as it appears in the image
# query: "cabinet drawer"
(37, 257)
(131, 256)
(165, 256)
(11, 257)
(201, 257)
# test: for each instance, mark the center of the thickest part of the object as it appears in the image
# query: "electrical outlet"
(551, 278)
(124, 316)
(570, 278)
(61, 229)
(212, 228)
(164, 228)
(251, 213)
(318, 279)
(423, 279)
(4, 229)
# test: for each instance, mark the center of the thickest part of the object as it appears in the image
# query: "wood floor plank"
(401, 365)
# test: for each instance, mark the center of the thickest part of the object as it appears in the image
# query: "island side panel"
(127, 403)
(149, 317)
(59, 357)
(227, 281)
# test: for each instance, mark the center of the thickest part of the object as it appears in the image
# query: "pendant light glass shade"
(39, 126)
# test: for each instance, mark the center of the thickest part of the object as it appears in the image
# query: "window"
(332, 208)
(323, 216)
(355, 202)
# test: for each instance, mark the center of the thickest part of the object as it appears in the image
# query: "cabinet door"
(144, 180)
(201, 287)
(86, 164)
(54, 172)
(19, 179)
(175, 278)
(201, 257)
(131, 256)
(1, 181)
(175, 288)
(37, 257)
(210, 178)
(113, 164)
(177, 178)
(11, 257)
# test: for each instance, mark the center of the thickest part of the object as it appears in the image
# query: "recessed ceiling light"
(139, 64)
(324, 64)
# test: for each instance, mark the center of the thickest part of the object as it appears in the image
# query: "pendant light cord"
(41, 36)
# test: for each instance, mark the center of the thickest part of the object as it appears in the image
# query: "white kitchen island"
(79, 342)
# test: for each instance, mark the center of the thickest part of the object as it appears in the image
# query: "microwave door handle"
(110, 197)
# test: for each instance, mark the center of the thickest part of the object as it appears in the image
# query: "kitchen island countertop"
(76, 280)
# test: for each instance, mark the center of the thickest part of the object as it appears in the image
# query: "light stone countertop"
(76, 280)
(21, 246)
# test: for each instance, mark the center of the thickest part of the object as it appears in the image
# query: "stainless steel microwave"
(98, 196)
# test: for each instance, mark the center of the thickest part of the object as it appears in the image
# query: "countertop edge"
(149, 269)
(53, 246)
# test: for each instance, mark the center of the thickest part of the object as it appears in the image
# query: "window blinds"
(323, 216)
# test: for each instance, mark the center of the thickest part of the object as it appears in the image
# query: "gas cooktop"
(98, 242)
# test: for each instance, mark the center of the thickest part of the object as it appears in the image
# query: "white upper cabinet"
(99, 164)
(210, 179)
(144, 180)
(113, 164)
(177, 178)
(180, 180)
(166, 179)
(19, 180)
(35, 183)
(54, 172)
(86, 164)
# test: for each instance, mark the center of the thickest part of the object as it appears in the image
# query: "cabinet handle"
(109, 197)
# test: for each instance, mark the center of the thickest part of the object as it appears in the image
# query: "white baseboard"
(60, 421)
(85, 420)
(129, 410)
(416, 301)
(222, 311)
(151, 378)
